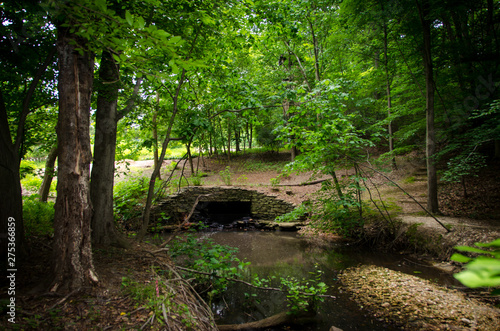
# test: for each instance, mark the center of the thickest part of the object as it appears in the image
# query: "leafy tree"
(27, 51)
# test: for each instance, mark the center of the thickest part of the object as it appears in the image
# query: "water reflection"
(282, 254)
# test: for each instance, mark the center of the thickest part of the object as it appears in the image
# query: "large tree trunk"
(432, 197)
(104, 231)
(48, 175)
(72, 256)
(11, 203)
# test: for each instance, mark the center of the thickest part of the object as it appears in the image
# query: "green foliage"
(463, 165)
(172, 166)
(242, 179)
(267, 137)
(304, 294)
(206, 256)
(31, 183)
(225, 175)
(38, 216)
(27, 168)
(295, 215)
(129, 196)
(196, 179)
(483, 270)
(340, 214)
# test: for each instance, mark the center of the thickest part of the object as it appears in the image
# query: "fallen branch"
(272, 321)
(65, 298)
(408, 194)
(186, 220)
(306, 183)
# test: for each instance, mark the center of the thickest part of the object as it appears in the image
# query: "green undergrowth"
(213, 267)
(38, 216)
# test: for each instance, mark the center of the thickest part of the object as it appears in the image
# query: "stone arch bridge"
(223, 204)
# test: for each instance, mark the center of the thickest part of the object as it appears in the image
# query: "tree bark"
(48, 175)
(11, 203)
(155, 133)
(388, 93)
(72, 256)
(104, 231)
(432, 197)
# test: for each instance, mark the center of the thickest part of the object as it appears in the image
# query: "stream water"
(283, 254)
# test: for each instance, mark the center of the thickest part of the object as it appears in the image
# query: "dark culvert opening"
(223, 213)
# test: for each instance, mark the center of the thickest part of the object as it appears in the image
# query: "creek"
(282, 254)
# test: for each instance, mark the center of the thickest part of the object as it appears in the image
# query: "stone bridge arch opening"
(219, 207)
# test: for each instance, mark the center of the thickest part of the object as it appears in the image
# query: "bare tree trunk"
(72, 256)
(104, 231)
(190, 158)
(432, 196)
(155, 133)
(149, 199)
(250, 139)
(228, 141)
(48, 175)
(388, 93)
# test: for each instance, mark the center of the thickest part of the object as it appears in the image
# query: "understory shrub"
(38, 216)
(204, 255)
(340, 214)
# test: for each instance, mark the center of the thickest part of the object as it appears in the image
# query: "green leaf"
(471, 249)
(175, 39)
(460, 258)
(129, 18)
(101, 4)
(139, 24)
(495, 243)
(482, 272)
(175, 68)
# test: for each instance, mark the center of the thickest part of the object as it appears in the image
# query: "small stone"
(466, 321)
(386, 305)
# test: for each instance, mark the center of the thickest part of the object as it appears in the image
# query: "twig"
(65, 298)
(149, 320)
(165, 314)
(186, 220)
(408, 194)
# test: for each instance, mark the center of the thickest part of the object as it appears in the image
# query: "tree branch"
(25, 110)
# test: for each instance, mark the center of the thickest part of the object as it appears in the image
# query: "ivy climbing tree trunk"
(432, 196)
(72, 255)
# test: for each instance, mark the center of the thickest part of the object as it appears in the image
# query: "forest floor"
(472, 219)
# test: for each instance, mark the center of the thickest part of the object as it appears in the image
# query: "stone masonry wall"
(178, 205)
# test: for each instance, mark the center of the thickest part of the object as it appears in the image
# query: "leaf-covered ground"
(415, 303)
